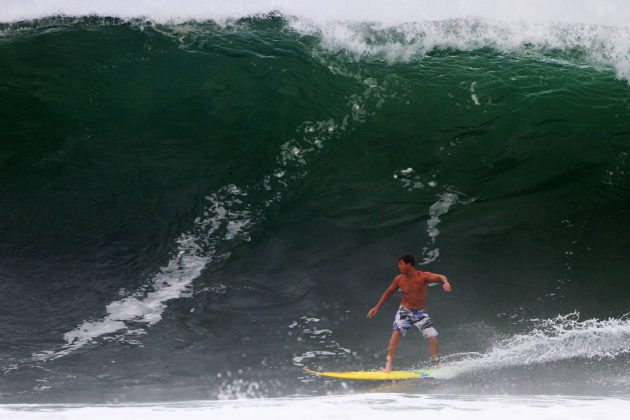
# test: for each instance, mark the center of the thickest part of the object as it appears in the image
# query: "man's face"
(404, 267)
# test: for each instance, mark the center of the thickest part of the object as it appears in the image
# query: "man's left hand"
(446, 286)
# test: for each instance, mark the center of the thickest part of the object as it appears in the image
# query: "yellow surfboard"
(377, 375)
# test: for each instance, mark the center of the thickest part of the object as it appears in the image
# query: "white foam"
(438, 209)
(601, 12)
(409, 179)
(562, 338)
(171, 282)
(307, 328)
(445, 201)
(313, 354)
(90, 330)
(351, 407)
(145, 307)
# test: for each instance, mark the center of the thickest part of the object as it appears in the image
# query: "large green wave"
(235, 196)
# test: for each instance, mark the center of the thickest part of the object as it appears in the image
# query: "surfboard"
(377, 375)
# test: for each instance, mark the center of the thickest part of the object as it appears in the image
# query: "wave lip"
(592, 44)
(597, 30)
(600, 12)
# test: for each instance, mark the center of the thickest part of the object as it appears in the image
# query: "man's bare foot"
(387, 369)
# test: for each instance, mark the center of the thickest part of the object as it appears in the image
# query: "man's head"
(406, 263)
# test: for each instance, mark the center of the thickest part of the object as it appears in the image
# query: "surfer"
(414, 285)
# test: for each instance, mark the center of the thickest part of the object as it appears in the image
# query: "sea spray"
(561, 338)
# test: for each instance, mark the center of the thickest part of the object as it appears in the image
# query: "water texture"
(198, 202)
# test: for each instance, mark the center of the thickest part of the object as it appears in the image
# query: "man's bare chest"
(412, 286)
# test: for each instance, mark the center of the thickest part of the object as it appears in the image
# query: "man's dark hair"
(408, 259)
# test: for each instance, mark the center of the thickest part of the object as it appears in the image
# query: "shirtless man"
(414, 285)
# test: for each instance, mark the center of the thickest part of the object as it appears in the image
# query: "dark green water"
(199, 211)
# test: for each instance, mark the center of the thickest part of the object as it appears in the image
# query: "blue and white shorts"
(406, 318)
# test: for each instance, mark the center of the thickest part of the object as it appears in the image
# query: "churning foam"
(562, 338)
(401, 30)
(351, 407)
(600, 12)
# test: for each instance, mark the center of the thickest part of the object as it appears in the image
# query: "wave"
(511, 145)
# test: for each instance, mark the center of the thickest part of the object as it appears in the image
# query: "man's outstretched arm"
(438, 278)
(390, 291)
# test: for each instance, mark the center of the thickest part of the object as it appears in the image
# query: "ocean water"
(199, 200)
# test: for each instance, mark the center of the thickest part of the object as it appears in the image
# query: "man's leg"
(391, 350)
(434, 347)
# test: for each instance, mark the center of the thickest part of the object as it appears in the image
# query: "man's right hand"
(372, 312)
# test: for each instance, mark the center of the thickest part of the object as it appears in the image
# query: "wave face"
(199, 203)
